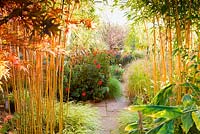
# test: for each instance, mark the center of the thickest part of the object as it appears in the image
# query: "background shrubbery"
(89, 77)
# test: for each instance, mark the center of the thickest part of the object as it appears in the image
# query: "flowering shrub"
(9, 124)
(89, 77)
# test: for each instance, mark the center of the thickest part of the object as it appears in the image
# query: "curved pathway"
(109, 110)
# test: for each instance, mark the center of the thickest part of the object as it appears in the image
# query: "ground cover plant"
(115, 88)
(139, 83)
(79, 118)
(125, 118)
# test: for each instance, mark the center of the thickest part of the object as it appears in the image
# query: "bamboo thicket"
(37, 66)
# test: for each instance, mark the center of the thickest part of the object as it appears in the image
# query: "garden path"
(109, 110)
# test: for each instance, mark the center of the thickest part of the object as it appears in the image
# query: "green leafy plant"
(89, 77)
(124, 118)
(79, 118)
(115, 89)
(168, 119)
(139, 81)
(116, 72)
(9, 124)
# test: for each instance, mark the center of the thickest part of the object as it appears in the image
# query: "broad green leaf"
(155, 130)
(134, 132)
(131, 126)
(196, 118)
(159, 120)
(187, 122)
(187, 100)
(158, 111)
(167, 128)
(163, 95)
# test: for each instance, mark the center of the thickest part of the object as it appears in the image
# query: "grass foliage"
(139, 80)
(115, 89)
(80, 119)
(124, 118)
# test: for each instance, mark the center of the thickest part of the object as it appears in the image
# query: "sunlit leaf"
(158, 111)
(167, 128)
(187, 122)
(131, 126)
(135, 131)
(155, 130)
(163, 95)
(187, 100)
(196, 118)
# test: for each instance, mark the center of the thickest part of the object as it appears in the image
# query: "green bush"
(138, 54)
(139, 81)
(89, 77)
(124, 118)
(115, 89)
(116, 72)
(81, 119)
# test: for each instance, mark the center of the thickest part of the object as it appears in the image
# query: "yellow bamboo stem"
(154, 59)
(162, 47)
(179, 40)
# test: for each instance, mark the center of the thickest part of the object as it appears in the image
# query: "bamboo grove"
(34, 39)
(173, 29)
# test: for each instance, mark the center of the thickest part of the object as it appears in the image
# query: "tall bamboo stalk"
(154, 59)
(179, 42)
(162, 50)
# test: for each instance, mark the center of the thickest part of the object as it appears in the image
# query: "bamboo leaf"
(196, 118)
(191, 86)
(187, 122)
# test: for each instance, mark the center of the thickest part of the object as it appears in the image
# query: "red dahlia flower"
(98, 66)
(100, 82)
(83, 93)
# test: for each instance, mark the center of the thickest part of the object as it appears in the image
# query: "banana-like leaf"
(164, 128)
(131, 127)
(134, 132)
(167, 128)
(187, 122)
(163, 95)
(187, 100)
(155, 130)
(159, 120)
(196, 118)
(158, 111)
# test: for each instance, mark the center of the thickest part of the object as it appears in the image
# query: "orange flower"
(7, 118)
(95, 62)
(94, 53)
